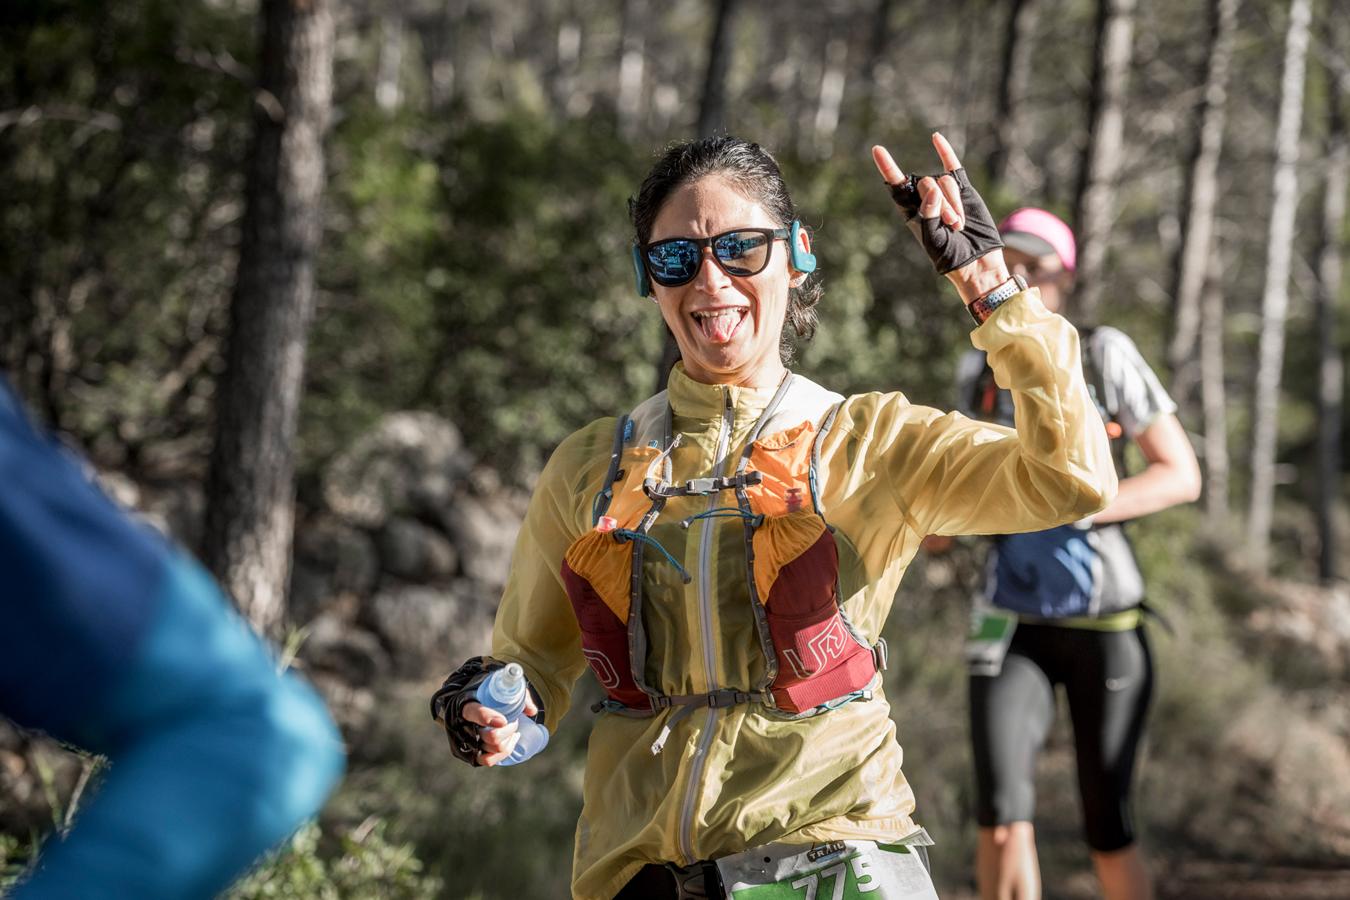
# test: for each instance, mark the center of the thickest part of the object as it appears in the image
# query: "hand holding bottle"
(505, 711)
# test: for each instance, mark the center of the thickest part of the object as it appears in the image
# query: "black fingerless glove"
(447, 706)
(948, 249)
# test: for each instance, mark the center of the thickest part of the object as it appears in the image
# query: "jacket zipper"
(686, 835)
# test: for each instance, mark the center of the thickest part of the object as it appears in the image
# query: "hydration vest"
(814, 658)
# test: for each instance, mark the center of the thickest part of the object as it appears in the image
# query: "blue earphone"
(801, 260)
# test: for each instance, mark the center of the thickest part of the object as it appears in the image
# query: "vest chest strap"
(700, 487)
(719, 699)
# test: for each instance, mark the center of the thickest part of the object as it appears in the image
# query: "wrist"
(983, 306)
(980, 277)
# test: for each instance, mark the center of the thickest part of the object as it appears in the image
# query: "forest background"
(445, 231)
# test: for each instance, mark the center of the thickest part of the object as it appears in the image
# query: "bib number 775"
(863, 882)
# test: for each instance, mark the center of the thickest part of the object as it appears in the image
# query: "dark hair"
(753, 172)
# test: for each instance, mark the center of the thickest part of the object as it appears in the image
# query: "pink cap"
(1038, 233)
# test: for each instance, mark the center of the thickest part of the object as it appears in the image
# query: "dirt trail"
(1212, 880)
(1238, 881)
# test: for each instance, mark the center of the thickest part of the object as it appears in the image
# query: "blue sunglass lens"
(742, 252)
(673, 262)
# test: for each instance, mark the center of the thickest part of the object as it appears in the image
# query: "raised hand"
(950, 221)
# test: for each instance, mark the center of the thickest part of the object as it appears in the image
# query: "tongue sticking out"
(720, 327)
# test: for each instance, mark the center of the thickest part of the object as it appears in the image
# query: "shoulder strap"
(1092, 371)
(813, 477)
(601, 504)
(982, 392)
(1095, 375)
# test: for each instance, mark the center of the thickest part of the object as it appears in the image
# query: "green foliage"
(14, 856)
(484, 275)
(537, 309)
(120, 193)
(362, 863)
(490, 833)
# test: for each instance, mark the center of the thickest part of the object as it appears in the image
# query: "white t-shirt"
(1134, 397)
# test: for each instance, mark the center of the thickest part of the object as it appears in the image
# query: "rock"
(328, 549)
(471, 634)
(431, 630)
(484, 531)
(352, 654)
(414, 551)
(352, 705)
(311, 594)
(409, 462)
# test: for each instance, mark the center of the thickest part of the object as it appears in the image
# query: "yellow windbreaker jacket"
(890, 473)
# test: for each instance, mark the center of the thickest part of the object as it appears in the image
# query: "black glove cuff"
(447, 706)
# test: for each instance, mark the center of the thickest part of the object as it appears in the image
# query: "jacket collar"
(694, 399)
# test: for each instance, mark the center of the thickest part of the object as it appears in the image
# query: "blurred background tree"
(474, 263)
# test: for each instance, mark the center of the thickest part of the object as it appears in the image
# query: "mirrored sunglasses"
(741, 252)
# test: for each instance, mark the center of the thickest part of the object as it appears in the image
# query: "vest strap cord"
(624, 534)
(725, 512)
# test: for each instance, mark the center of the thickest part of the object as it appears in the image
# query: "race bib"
(838, 870)
(991, 633)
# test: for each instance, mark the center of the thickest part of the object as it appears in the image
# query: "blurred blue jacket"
(114, 641)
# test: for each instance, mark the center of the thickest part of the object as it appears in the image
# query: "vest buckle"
(880, 654)
(701, 485)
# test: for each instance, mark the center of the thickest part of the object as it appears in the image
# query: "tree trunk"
(566, 81)
(439, 34)
(831, 96)
(389, 71)
(1213, 399)
(1007, 156)
(1331, 368)
(712, 108)
(1275, 296)
(1101, 160)
(711, 116)
(1188, 271)
(956, 102)
(872, 68)
(250, 491)
(628, 103)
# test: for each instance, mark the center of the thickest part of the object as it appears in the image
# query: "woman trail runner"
(723, 556)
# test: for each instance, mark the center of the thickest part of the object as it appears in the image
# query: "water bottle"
(505, 691)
